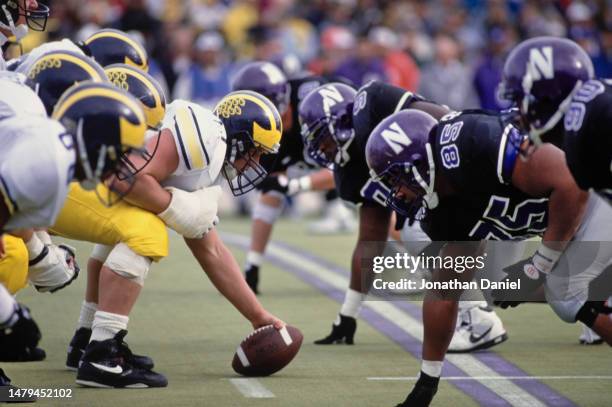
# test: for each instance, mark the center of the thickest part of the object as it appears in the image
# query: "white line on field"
(252, 388)
(503, 387)
(481, 378)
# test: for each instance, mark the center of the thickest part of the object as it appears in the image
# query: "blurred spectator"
(444, 80)
(207, 79)
(362, 67)
(400, 68)
(488, 72)
(541, 18)
(583, 30)
(337, 44)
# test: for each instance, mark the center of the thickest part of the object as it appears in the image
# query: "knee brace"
(100, 252)
(124, 262)
(267, 213)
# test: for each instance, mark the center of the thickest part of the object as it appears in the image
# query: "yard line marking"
(503, 388)
(458, 378)
(252, 388)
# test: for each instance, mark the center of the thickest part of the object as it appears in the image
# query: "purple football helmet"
(540, 77)
(266, 79)
(326, 117)
(399, 155)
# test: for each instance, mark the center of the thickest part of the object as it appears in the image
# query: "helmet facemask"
(34, 19)
(250, 173)
(336, 129)
(416, 177)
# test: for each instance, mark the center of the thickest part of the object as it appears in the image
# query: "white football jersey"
(25, 62)
(37, 162)
(201, 143)
(17, 98)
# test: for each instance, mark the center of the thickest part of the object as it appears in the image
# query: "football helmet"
(13, 10)
(54, 72)
(109, 46)
(539, 78)
(266, 79)
(253, 126)
(326, 117)
(143, 87)
(399, 154)
(106, 125)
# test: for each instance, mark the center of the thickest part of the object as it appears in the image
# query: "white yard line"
(503, 387)
(252, 388)
(484, 378)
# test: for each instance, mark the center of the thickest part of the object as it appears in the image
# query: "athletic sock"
(352, 303)
(253, 259)
(432, 368)
(8, 308)
(106, 325)
(86, 317)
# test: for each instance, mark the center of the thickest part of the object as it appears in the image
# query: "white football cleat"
(589, 337)
(338, 219)
(478, 327)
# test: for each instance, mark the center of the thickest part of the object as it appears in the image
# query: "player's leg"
(107, 361)
(586, 259)
(265, 213)
(20, 342)
(373, 227)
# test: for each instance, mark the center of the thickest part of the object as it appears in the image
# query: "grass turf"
(191, 332)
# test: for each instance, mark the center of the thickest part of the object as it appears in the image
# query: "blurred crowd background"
(451, 51)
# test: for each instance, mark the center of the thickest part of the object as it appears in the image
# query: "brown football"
(267, 350)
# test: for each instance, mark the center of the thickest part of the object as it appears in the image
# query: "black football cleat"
(19, 343)
(423, 392)
(10, 393)
(251, 275)
(343, 332)
(79, 343)
(106, 364)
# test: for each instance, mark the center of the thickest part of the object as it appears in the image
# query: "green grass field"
(191, 332)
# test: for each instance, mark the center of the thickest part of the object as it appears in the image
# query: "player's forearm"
(224, 272)
(148, 194)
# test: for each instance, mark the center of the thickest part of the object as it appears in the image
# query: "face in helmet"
(266, 79)
(56, 71)
(253, 126)
(326, 117)
(400, 156)
(106, 124)
(540, 77)
(109, 46)
(16, 16)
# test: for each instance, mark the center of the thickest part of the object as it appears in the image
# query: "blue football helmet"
(326, 117)
(399, 154)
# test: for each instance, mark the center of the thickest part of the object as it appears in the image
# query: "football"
(267, 350)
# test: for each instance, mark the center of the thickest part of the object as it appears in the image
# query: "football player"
(469, 163)
(49, 153)
(337, 122)
(190, 155)
(550, 83)
(268, 80)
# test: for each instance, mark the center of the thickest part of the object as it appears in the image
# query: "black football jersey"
(373, 103)
(588, 137)
(291, 150)
(477, 154)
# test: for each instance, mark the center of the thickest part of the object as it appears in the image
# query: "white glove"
(192, 214)
(54, 268)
